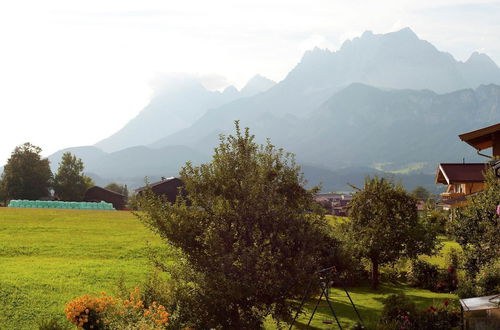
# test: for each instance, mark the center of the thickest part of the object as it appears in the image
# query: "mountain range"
(381, 103)
(179, 102)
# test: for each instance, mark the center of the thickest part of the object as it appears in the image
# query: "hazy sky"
(73, 72)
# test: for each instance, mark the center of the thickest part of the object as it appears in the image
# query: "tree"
(26, 175)
(421, 193)
(384, 225)
(118, 188)
(476, 226)
(248, 235)
(70, 184)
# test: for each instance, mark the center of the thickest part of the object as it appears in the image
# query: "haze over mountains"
(178, 103)
(389, 102)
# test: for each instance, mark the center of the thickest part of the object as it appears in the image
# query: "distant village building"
(98, 194)
(170, 188)
(335, 203)
(464, 179)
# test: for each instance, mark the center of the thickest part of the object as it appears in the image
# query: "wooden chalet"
(465, 179)
(98, 194)
(462, 180)
(170, 188)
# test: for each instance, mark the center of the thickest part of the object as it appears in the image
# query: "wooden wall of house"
(97, 194)
(496, 144)
(169, 189)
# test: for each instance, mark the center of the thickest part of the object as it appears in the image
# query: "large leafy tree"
(118, 188)
(248, 235)
(384, 225)
(421, 193)
(26, 175)
(477, 226)
(70, 184)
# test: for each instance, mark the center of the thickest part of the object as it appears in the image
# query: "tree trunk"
(374, 274)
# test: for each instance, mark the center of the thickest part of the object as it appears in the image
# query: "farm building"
(98, 194)
(169, 188)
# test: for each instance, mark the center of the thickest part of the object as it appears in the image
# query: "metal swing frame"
(323, 281)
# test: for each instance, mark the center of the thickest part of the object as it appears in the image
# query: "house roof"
(154, 184)
(449, 173)
(480, 303)
(106, 190)
(481, 138)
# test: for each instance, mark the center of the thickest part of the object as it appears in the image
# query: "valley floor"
(48, 257)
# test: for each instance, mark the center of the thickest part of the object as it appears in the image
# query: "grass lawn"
(367, 301)
(48, 257)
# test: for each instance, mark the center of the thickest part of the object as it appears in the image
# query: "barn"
(169, 188)
(97, 194)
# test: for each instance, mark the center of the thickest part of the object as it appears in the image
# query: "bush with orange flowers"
(107, 312)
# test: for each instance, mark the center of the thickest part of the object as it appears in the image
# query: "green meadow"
(48, 257)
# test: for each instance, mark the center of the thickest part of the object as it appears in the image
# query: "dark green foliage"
(248, 239)
(385, 225)
(466, 288)
(476, 227)
(441, 317)
(488, 279)
(423, 274)
(26, 175)
(133, 202)
(118, 188)
(421, 193)
(396, 306)
(3, 194)
(436, 219)
(400, 313)
(70, 184)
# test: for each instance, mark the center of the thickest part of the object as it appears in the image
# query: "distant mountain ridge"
(397, 60)
(363, 125)
(386, 101)
(178, 103)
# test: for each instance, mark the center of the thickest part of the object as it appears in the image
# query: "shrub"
(393, 274)
(400, 313)
(442, 317)
(488, 279)
(107, 312)
(476, 228)
(87, 311)
(453, 257)
(466, 289)
(423, 274)
(397, 307)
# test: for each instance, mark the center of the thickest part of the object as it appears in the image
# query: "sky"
(74, 72)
